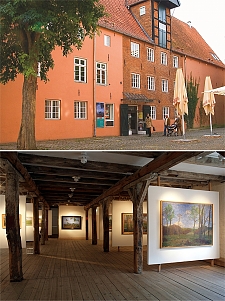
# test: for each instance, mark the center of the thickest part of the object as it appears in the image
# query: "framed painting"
(110, 222)
(4, 221)
(71, 222)
(127, 223)
(29, 221)
(186, 224)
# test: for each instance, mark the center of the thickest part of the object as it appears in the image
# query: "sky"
(208, 18)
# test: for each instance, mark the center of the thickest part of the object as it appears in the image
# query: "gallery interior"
(102, 225)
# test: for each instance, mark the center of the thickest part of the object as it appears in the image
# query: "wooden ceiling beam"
(159, 164)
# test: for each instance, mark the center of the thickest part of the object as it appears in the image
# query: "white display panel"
(157, 255)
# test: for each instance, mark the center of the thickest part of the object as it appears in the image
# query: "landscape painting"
(127, 223)
(186, 224)
(71, 222)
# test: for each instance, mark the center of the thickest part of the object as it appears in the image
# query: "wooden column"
(36, 225)
(86, 224)
(137, 194)
(12, 224)
(94, 226)
(46, 224)
(105, 207)
(43, 226)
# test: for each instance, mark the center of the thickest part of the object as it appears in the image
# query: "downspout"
(94, 85)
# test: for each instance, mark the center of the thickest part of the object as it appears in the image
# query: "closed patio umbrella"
(180, 99)
(209, 100)
(219, 91)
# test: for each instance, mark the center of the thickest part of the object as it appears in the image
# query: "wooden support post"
(137, 194)
(159, 267)
(36, 226)
(86, 224)
(94, 226)
(210, 186)
(46, 225)
(158, 181)
(105, 207)
(212, 262)
(43, 226)
(12, 224)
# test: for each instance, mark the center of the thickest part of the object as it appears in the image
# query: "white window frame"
(165, 85)
(175, 61)
(107, 40)
(81, 67)
(150, 54)
(163, 58)
(109, 116)
(135, 80)
(142, 10)
(101, 73)
(166, 111)
(80, 109)
(151, 83)
(52, 109)
(135, 49)
(152, 112)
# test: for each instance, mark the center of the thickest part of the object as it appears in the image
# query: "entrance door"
(124, 126)
(146, 110)
(132, 112)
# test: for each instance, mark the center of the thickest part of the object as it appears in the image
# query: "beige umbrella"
(180, 99)
(208, 100)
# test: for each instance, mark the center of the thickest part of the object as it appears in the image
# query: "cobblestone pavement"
(194, 140)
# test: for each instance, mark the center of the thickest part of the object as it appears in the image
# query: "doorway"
(132, 113)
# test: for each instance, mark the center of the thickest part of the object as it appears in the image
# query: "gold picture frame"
(185, 224)
(4, 221)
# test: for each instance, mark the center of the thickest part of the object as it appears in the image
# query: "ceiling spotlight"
(72, 189)
(83, 159)
(76, 179)
(70, 195)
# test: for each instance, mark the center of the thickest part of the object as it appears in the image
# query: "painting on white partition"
(186, 224)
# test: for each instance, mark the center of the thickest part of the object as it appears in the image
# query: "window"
(101, 69)
(165, 112)
(52, 109)
(39, 69)
(135, 81)
(164, 85)
(152, 112)
(107, 40)
(163, 58)
(134, 49)
(150, 54)
(80, 70)
(142, 10)
(175, 61)
(80, 109)
(162, 26)
(109, 114)
(151, 83)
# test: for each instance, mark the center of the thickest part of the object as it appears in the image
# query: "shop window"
(80, 109)
(52, 109)
(109, 115)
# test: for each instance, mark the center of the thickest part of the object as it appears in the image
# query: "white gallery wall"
(119, 239)
(22, 211)
(157, 255)
(72, 211)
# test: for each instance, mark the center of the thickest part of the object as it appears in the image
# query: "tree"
(192, 93)
(169, 214)
(194, 215)
(30, 31)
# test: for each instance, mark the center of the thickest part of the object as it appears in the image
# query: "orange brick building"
(107, 87)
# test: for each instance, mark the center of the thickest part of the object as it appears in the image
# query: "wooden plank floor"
(77, 270)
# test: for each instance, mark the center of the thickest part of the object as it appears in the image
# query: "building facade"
(125, 72)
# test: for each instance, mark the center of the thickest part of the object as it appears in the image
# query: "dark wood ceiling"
(53, 176)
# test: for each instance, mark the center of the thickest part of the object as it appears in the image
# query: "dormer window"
(142, 10)
(215, 56)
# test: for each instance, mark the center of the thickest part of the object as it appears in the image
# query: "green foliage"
(31, 29)
(192, 93)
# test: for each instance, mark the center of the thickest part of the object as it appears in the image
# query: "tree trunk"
(13, 226)
(43, 225)
(36, 226)
(87, 224)
(105, 207)
(94, 227)
(26, 138)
